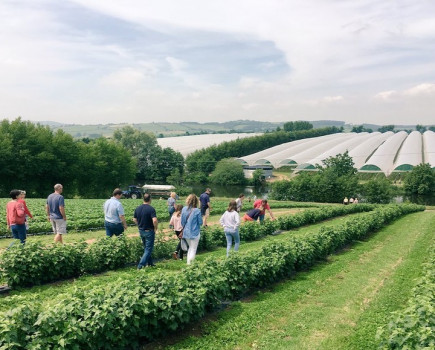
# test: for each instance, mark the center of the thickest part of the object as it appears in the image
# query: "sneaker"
(175, 255)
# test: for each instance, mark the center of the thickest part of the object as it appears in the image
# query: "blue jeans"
(230, 236)
(148, 244)
(171, 210)
(113, 229)
(262, 217)
(18, 232)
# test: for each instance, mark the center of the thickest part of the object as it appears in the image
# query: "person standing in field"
(176, 224)
(21, 199)
(55, 208)
(345, 201)
(114, 217)
(230, 221)
(262, 203)
(146, 219)
(205, 205)
(171, 203)
(16, 217)
(239, 202)
(191, 220)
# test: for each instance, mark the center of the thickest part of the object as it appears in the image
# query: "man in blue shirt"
(145, 217)
(114, 217)
(205, 205)
(55, 208)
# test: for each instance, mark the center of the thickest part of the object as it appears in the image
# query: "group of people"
(17, 214)
(186, 220)
(352, 200)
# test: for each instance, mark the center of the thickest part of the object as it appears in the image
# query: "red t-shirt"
(258, 203)
(15, 214)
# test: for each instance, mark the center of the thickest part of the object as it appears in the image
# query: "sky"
(140, 61)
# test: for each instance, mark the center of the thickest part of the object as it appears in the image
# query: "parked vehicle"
(158, 190)
(133, 192)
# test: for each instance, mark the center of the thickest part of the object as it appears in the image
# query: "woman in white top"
(231, 222)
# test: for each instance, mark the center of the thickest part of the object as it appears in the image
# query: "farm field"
(43, 297)
(338, 304)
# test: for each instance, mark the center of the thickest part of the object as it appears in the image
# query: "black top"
(144, 215)
(254, 213)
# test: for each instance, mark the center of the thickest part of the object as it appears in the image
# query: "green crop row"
(123, 313)
(36, 263)
(414, 327)
(86, 214)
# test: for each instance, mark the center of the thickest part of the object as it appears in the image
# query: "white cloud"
(386, 95)
(422, 89)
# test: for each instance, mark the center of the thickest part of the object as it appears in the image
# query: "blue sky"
(134, 61)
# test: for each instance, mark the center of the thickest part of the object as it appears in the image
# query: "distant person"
(22, 199)
(176, 224)
(114, 217)
(191, 220)
(345, 201)
(16, 217)
(205, 205)
(351, 200)
(262, 203)
(230, 221)
(253, 214)
(355, 201)
(171, 203)
(239, 202)
(55, 208)
(146, 219)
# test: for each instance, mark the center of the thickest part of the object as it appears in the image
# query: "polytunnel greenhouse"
(371, 152)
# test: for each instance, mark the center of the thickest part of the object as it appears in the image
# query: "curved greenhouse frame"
(410, 154)
(429, 148)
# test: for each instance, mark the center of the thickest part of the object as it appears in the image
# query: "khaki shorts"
(59, 226)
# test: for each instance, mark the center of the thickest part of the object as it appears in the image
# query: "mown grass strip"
(336, 305)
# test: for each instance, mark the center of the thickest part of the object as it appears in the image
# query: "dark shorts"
(113, 229)
(204, 210)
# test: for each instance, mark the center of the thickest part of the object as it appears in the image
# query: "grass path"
(336, 305)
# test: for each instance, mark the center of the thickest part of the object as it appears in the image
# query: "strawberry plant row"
(36, 263)
(124, 313)
(87, 214)
(414, 327)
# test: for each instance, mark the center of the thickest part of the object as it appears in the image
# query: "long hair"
(232, 206)
(192, 201)
(178, 209)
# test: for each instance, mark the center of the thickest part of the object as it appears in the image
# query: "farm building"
(375, 152)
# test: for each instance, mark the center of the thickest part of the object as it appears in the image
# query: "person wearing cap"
(205, 205)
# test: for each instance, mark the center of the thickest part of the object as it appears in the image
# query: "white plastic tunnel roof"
(362, 152)
(410, 154)
(383, 158)
(346, 145)
(316, 150)
(429, 148)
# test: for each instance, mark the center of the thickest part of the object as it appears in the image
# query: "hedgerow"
(125, 312)
(414, 327)
(36, 263)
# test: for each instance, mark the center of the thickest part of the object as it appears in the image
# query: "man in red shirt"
(263, 203)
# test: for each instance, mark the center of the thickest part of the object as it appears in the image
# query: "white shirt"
(230, 221)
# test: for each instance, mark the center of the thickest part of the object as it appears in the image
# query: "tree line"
(34, 158)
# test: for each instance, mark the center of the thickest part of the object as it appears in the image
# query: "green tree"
(297, 126)
(341, 164)
(258, 177)
(420, 128)
(432, 128)
(378, 190)
(154, 164)
(228, 172)
(420, 180)
(386, 128)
